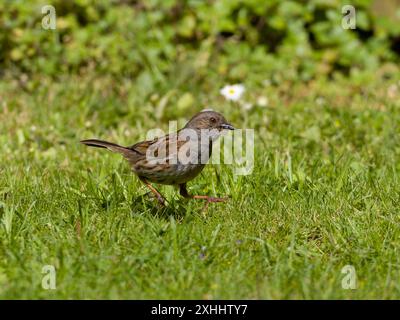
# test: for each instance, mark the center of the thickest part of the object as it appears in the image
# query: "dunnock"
(176, 158)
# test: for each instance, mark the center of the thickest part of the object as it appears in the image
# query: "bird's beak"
(227, 126)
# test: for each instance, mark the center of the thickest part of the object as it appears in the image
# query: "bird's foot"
(209, 200)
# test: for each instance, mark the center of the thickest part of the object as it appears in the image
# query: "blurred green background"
(151, 40)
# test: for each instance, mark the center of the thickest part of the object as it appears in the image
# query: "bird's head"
(209, 120)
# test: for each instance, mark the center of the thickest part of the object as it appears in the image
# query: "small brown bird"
(176, 158)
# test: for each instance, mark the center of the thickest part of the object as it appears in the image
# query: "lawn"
(324, 193)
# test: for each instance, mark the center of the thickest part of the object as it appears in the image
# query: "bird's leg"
(158, 195)
(184, 193)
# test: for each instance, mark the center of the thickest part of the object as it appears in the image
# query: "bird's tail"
(104, 144)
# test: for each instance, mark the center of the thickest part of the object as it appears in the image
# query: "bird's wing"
(141, 147)
(163, 148)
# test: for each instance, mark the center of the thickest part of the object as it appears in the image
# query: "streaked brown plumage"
(176, 158)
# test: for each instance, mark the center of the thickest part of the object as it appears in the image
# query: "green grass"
(324, 193)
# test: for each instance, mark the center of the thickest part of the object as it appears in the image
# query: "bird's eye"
(213, 120)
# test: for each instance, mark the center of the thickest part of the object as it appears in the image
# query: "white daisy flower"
(233, 92)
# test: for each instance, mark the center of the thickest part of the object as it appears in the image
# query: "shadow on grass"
(147, 203)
